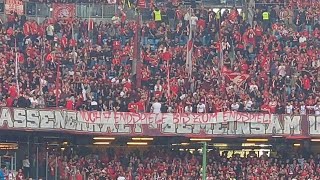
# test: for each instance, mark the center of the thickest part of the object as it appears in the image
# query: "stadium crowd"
(156, 163)
(266, 59)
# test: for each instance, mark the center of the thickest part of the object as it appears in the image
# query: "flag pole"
(189, 49)
(220, 46)
(73, 38)
(168, 80)
(16, 65)
(89, 19)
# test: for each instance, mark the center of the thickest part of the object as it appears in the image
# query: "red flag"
(62, 10)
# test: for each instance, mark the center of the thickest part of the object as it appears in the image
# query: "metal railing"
(83, 10)
(101, 10)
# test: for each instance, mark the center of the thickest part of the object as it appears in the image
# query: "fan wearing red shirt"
(140, 105)
(13, 91)
(69, 104)
(79, 176)
(201, 23)
(64, 41)
(20, 175)
(132, 107)
(306, 83)
(26, 28)
(9, 102)
(180, 108)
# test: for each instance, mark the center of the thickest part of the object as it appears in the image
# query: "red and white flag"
(237, 78)
(141, 4)
(189, 52)
(63, 10)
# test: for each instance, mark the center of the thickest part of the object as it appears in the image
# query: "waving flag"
(237, 78)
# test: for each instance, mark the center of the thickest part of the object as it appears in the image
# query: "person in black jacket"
(23, 101)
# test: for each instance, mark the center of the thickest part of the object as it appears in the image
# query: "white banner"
(218, 124)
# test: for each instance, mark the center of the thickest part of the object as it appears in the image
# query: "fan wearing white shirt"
(188, 109)
(303, 109)
(316, 108)
(248, 104)
(156, 107)
(201, 107)
(235, 106)
(289, 108)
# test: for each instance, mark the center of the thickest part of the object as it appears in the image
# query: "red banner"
(63, 10)
(14, 6)
(222, 124)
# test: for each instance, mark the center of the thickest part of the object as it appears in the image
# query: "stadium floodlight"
(200, 139)
(257, 140)
(277, 136)
(104, 138)
(137, 143)
(101, 143)
(181, 144)
(248, 144)
(141, 139)
(185, 144)
(220, 145)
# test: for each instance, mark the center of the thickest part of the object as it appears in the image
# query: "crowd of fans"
(241, 61)
(154, 163)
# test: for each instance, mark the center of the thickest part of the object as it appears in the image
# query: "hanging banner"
(168, 124)
(63, 10)
(13, 6)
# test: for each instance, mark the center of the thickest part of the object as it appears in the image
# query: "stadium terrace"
(150, 90)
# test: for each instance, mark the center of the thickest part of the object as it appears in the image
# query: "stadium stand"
(267, 61)
(264, 58)
(158, 163)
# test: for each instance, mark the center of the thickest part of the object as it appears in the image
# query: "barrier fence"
(94, 10)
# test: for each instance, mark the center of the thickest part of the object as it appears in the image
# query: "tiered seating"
(161, 163)
(240, 63)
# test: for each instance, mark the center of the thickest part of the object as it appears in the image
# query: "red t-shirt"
(69, 105)
(132, 107)
(140, 105)
(306, 83)
(9, 101)
(13, 92)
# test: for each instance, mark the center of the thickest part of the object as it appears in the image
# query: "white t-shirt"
(194, 20)
(235, 107)
(253, 87)
(201, 108)
(289, 109)
(303, 110)
(188, 109)
(121, 178)
(50, 30)
(157, 87)
(156, 107)
(282, 70)
(317, 109)
(302, 39)
(248, 105)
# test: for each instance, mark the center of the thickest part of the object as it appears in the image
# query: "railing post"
(47, 161)
(37, 163)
